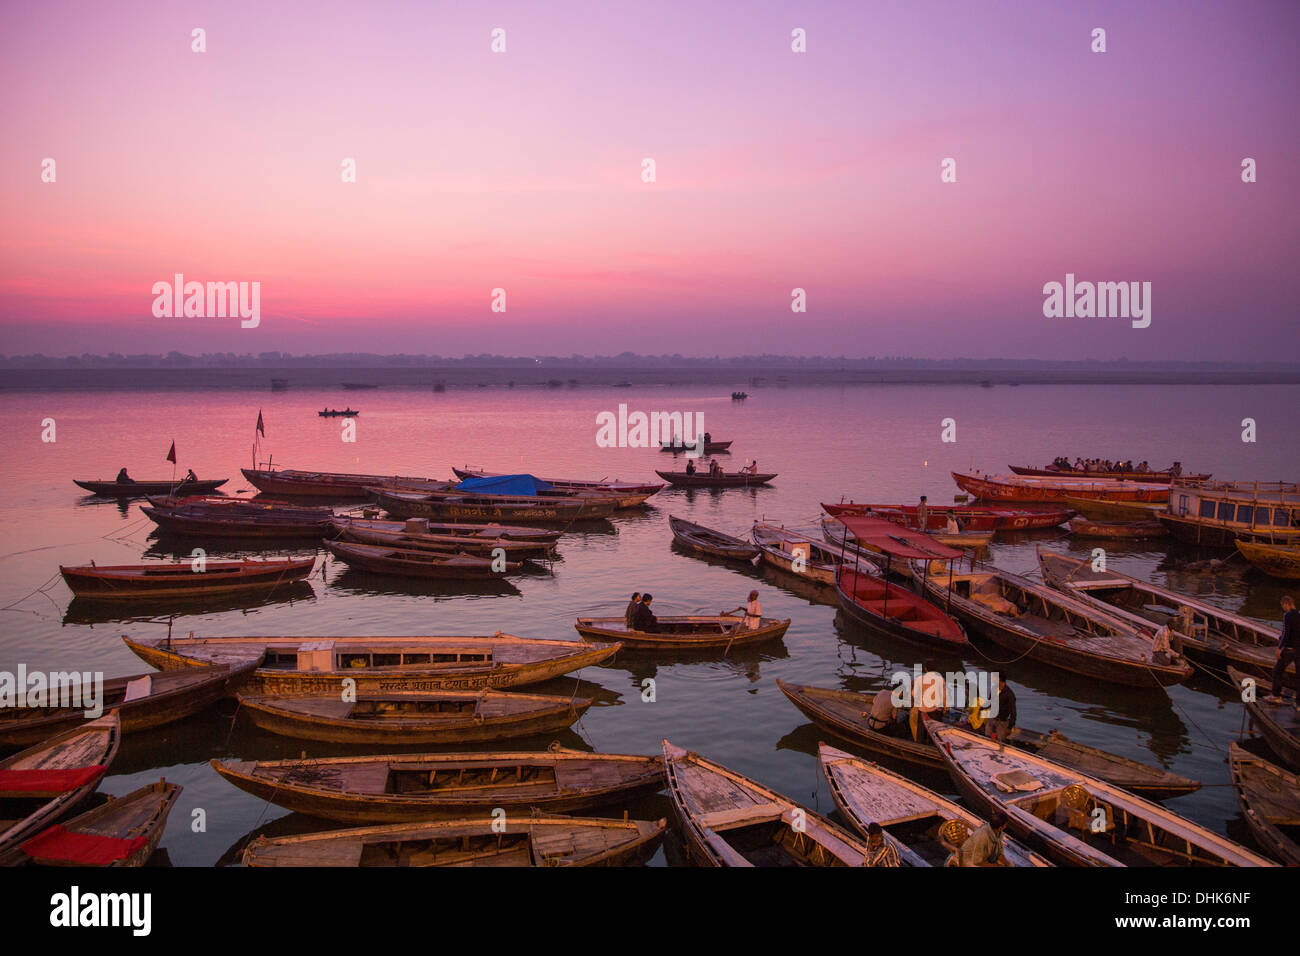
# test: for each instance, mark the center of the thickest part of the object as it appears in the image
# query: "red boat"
(1019, 488)
(877, 603)
(970, 518)
(1155, 477)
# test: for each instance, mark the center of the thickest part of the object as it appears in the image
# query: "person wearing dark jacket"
(644, 619)
(999, 728)
(1288, 650)
(629, 616)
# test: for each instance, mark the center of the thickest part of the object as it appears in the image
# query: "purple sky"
(775, 170)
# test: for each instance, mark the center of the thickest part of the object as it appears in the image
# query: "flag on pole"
(260, 430)
(171, 453)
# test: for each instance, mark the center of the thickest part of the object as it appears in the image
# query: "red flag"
(260, 430)
(171, 453)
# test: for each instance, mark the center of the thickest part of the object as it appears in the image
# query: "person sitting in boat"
(1144, 468)
(951, 525)
(1079, 465)
(643, 618)
(715, 470)
(707, 438)
(985, 847)
(1165, 646)
(124, 479)
(883, 717)
(690, 466)
(751, 467)
(629, 615)
(190, 478)
(753, 612)
(880, 852)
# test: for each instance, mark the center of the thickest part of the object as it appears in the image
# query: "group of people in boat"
(124, 479)
(639, 617)
(715, 470)
(1105, 464)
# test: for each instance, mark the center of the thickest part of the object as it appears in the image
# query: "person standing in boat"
(629, 616)
(123, 478)
(1288, 650)
(999, 728)
(880, 852)
(923, 514)
(985, 847)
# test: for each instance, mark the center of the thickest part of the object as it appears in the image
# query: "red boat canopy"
(895, 540)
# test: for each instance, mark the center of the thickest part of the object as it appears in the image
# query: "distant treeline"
(628, 360)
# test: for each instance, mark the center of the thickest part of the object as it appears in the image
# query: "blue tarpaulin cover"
(505, 485)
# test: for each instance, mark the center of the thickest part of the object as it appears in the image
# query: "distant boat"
(353, 386)
(339, 412)
(279, 384)
(739, 396)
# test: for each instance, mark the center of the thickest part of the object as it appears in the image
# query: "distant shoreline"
(558, 377)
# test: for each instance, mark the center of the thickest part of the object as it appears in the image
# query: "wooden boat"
(1217, 514)
(684, 632)
(710, 448)
(400, 788)
(414, 717)
(142, 702)
(338, 413)
(1056, 809)
(1108, 509)
(237, 518)
(519, 840)
(843, 713)
(1017, 488)
(40, 784)
(795, 554)
(412, 563)
(892, 609)
(407, 535)
(469, 530)
(318, 665)
(1085, 528)
(882, 534)
(1278, 723)
(475, 507)
(1214, 636)
(1162, 477)
(618, 488)
(149, 582)
(1275, 560)
(123, 832)
(138, 489)
(1049, 626)
(1270, 802)
(704, 540)
(358, 386)
(328, 484)
(923, 827)
(728, 819)
(702, 479)
(969, 517)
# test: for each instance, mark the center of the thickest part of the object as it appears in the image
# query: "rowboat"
(710, 448)
(795, 554)
(357, 386)
(1164, 476)
(1017, 488)
(40, 784)
(1217, 514)
(475, 507)
(701, 479)
(1051, 627)
(1270, 802)
(138, 489)
(617, 488)
(338, 412)
(514, 533)
(400, 788)
(1108, 509)
(328, 484)
(414, 717)
(1076, 819)
(519, 840)
(1275, 560)
(969, 517)
(704, 540)
(923, 827)
(880, 535)
(1278, 723)
(123, 832)
(181, 579)
(971, 540)
(1085, 528)
(408, 535)
(844, 714)
(684, 632)
(1208, 633)
(319, 665)
(728, 819)
(237, 518)
(142, 702)
(413, 563)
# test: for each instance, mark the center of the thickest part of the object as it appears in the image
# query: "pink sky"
(775, 170)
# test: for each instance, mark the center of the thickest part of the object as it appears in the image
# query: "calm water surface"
(877, 443)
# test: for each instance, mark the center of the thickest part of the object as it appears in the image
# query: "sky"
(774, 170)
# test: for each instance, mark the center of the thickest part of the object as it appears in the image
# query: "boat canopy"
(895, 540)
(505, 485)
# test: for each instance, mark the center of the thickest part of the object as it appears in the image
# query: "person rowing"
(190, 478)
